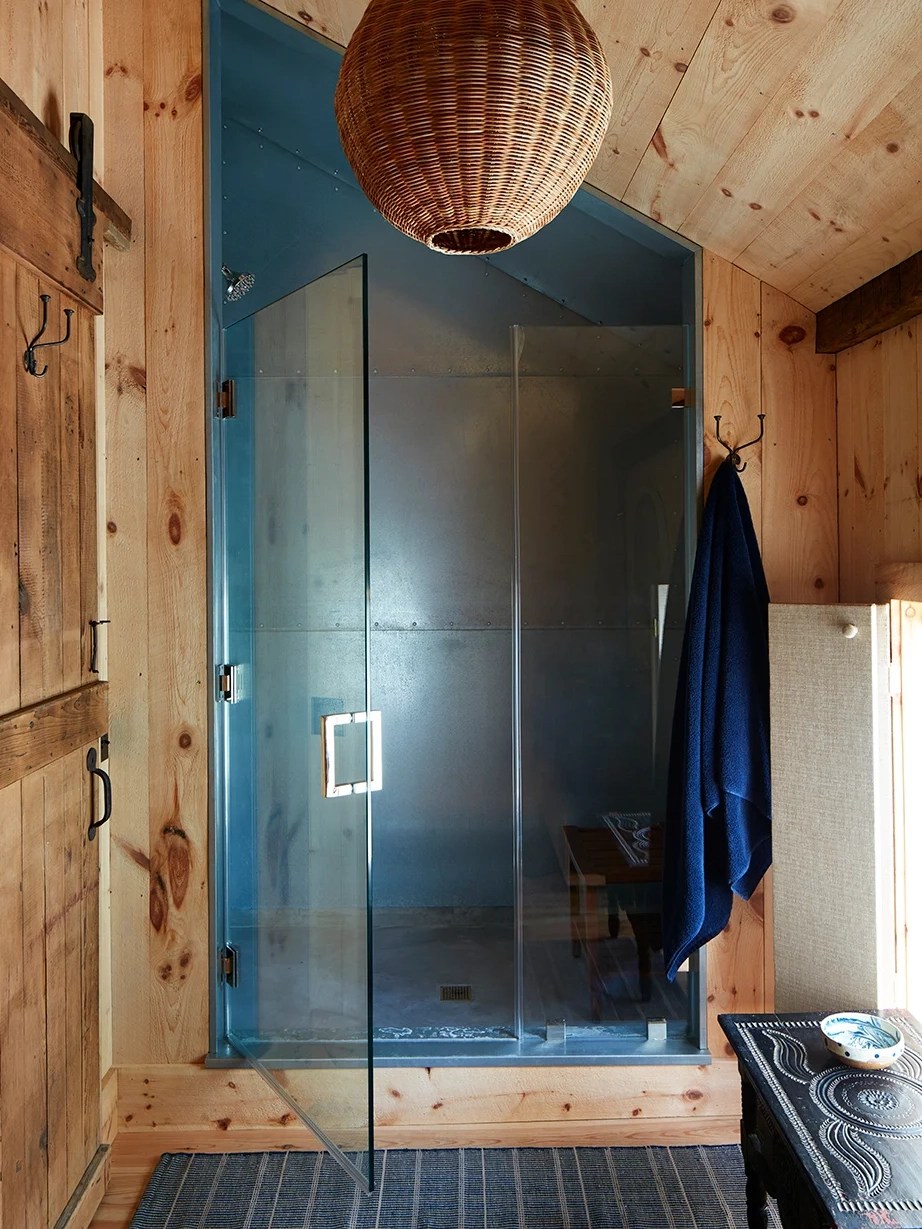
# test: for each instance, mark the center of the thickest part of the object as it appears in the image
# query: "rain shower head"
(238, 284)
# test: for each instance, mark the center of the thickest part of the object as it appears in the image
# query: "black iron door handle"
(106, 793)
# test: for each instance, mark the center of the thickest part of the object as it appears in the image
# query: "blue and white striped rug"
(470, 1188)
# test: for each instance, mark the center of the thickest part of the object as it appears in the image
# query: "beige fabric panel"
(832, 806)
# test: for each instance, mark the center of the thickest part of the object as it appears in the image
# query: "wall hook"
(28, 358)
(735, 449)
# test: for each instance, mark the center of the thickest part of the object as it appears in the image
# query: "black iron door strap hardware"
(81, 146)
(95, 771)
(29, 360)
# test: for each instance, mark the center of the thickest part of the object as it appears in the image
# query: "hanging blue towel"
(717, 838)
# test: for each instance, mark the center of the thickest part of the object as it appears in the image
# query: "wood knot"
(174, 528)
(819, 583)
(693, 1094)
(645, 51)
(791, 334)
(892, 147)
(193, 89)
(111, 527)
(802, 500)
(185, 740)
(783, 13)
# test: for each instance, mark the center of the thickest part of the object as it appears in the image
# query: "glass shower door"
(300, 746)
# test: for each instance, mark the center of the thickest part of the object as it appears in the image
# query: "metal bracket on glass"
(328, 726)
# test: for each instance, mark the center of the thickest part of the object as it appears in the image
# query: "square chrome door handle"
(328, 726)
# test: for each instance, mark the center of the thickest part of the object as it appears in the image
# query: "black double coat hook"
(735, 449)
(29, 360)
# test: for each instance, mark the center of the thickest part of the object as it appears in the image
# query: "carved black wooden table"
(836, 1147)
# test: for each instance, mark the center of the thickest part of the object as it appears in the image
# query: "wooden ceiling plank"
(884, 303)
(649, 48)
(745, 55)
(836, 209)
(877, 250)
(322, 16)
(860, 61)
(350, 12)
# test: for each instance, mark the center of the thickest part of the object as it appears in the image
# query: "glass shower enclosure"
(300, 744)
(485, 550)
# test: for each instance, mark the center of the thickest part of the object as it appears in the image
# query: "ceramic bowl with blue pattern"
(861, 1040)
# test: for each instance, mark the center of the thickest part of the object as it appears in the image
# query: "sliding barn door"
(54, 710)
(53, 707)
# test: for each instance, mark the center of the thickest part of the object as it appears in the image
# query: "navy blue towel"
(717, 838)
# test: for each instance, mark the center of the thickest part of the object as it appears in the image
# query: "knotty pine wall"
(140, 65)
(880, 457)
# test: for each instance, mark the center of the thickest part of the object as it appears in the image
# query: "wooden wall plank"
(33, 737)
(733, 388)
(715, 106)
(880, 489)
(799, 497)
(33, 1084)
(177, 619)
(126, 498)
(896, 582)
(193, 1096)
(13, 1068)
(733, 370)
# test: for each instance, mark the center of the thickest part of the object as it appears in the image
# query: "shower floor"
(421, 950)
(310, 978)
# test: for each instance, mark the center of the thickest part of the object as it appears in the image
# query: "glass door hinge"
(230, 964)
(226, 404)
(228, 684)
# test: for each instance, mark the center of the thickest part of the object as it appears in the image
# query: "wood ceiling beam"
(890, 299)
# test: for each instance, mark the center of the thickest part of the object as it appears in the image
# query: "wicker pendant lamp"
(471, 123)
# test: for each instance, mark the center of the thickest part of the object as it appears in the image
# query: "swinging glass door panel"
(300, 746)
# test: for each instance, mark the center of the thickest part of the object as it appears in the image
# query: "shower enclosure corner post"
(219, 1051)
(517, 338)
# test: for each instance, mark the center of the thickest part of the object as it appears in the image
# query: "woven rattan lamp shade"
(471, 123)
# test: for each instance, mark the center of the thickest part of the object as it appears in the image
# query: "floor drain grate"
(456, 994)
